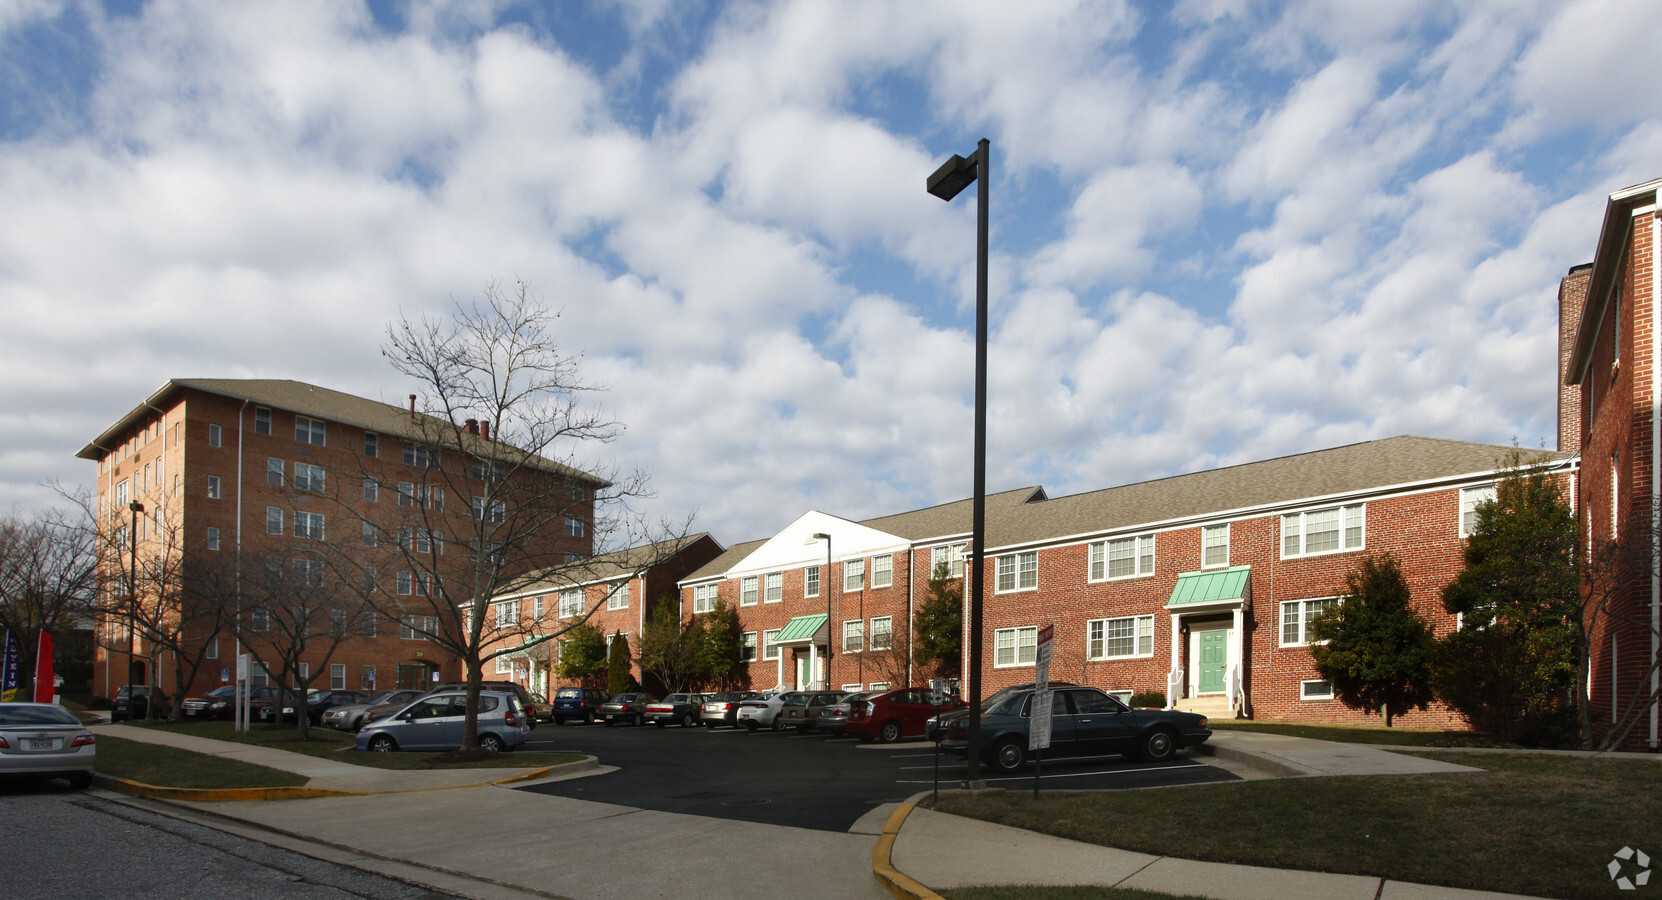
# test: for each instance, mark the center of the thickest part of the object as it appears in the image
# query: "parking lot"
(804, 780)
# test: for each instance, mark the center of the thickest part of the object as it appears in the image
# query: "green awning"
(1223, 586)
(531, 643)
(800, 629)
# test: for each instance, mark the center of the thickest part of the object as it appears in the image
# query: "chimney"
(1572, 299)
(485, 429)
(412, 406)
(472, 426)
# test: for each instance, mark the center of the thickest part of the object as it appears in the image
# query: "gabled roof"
(1607, 257)
(608, 566)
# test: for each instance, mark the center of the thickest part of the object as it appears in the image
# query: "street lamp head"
(953, 176)
(818, 536)
(136, 506)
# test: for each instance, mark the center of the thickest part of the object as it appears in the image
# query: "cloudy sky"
(1223, 230)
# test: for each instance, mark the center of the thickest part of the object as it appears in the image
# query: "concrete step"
(1206, 706)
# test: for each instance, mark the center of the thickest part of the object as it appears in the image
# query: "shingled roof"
(608, 566)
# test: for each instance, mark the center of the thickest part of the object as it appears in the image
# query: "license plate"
(40, 744)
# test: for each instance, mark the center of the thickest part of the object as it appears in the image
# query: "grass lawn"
(1530, 824)
(171, 767)
(1362, 734)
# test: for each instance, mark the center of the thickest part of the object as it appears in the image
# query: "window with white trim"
(810, 581)
(704, 598)
(308, 525)
(1315, 690)
(213, 487)
(262, 420)
(854, 575)
(210, 648)
(1017, 572)
(571, 603)
(747, 591)
(1127, 557)
(432, 497)
(770, 650)
(1296, 616)
(259, 619)
(372, 447)
(747, 647)
(882, 633)
(882, 570)
(507, 614)
(417, 628)
(1214, 546)
(372, 490)
(372, 535)
(493, 511)
(1125, 637)
(274, 471)
(213, 538)
(854, 636)
(274, 520)
(1330, 530)
(951, 554)
(618, 596)
(418, 456)
(1015, 646)
(1469, 500)
(215, 435)
(574, 526)
(337, 676)
(773, 588)
(310, 431)
(308, 477)
(504, 666)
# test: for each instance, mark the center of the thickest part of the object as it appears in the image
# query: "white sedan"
(763, 711)
(45, 740)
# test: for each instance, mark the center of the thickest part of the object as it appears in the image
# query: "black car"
(578, 703)
(219, 703)
(132, 701)
(933, 729)
(1084, 722)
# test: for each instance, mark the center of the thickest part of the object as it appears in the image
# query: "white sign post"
(1038, 723)
(240, 711)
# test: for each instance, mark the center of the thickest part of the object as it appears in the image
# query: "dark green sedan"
(1084, 722)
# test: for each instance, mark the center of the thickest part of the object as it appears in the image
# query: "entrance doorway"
(415, 675)
(1209, 651)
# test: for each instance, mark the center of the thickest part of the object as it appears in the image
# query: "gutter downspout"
(911, 586)
(241, 715)
(1655, 469)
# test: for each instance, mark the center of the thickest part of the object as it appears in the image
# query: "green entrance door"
(1214, 660)
(802, 673)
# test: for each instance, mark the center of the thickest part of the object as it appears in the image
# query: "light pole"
(825, 585)
(135, 508)
(953, 176)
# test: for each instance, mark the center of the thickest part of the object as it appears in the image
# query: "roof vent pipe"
(485, 429)
(412, 406)
(472, 426)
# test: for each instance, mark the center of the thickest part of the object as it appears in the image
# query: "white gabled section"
(794, 546)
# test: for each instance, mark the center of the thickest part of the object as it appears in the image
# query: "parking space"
(807, 781)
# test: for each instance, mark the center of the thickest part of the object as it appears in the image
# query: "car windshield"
(227, 691)
(16, 715)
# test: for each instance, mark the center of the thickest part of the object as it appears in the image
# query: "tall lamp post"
(953, 176)
(825, 586)
(135, 508)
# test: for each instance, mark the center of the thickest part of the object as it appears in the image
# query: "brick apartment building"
(270, 487)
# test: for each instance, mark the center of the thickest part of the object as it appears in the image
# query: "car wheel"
(80, 781)
(778, 724)
(1008, 755)
(490, 743)
(710, 725)
(890, 732)
(1158, 745)
(382, 744)
(559, 720)
(689, 720)
(750, 725)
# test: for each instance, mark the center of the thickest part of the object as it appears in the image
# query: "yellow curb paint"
(233, 795)
(897, 883)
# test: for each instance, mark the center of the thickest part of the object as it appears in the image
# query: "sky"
(1221, 230)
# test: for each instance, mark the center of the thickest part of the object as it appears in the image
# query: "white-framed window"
(210, 648)
(372, 490)
(571, 603)
(308, 525)
(747, 590)
(432, 497)
(810, 581)
(308, 572)
(618, 596)
(1015, 646)
(882, 633)
(507, 614)
(504, 666)
(574, 526)
(854, 575)
(424, 584)
(372, 444)
(418, 456)
(773, 587)
(1296, 616)
(1127, 557)
(951, 554)
(1469, 499)
(337, 676)
(372, 535)
(536, 610)
(308, 477)
(310, 431)
(274, 520)
(769, 649)
(493, 511)
(704, 598)
(259, 619)
(417, 628)
(406, 493)
(1330, 530)
(213, 487)
(874, 686)
(213, 538)
(1214, 546)
(1315, 690)
(747, 647)
(1119, 638)
(216, 435)
(370, 584)
(854, 636)
(882, 571)
(1018, 572)
(406, 583)
(485, 470)
(274, 471)
(262, 420)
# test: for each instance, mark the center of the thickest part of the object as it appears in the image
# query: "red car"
(892, 715)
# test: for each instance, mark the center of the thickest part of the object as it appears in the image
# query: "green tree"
(938, 632)
(618, 677)
(718, 644)
(1510, 669)
(582, 653)
(1374, 649)
(669, 648)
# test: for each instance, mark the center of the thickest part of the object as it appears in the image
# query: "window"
(810, 581)
(273, 520)
(372, 490)
(1122, 557)
(854, 636)
(704, 598)
(215, 435)
(489, 471)
(366, 678)
(504, 666)
(1018, 572)
(507, 613)
(1015, 646)
(536, 610)
(854, 575)
(120, 497)
(775, 588)
(262, 420)
(308, 525)
(406, 493)
(571, 603)
(1469, 500)
(309, 431)
(747, 591)
(372, 535)
(372, 444)
(493, 511)
(882, 633)
(1296, 616)
(576, 491)
(418, 456)
(213, 538)
(1214, 546)
(574, 526)
(424, 584)
(406, 582)
(432, 497)
(274, 471)
(747, 647)
(213, 487)
(337, 677)
(882, 571)
(370, 583)
(1315, 690)
(618, 596)
(952, 555)
(308, 572)
(210, 648)
(769, 651)
(1322, 530)
(417, 628)
(258, 619)
(308, 477)
(1120, 638)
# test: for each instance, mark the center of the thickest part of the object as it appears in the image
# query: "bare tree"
(1615, 597)
(48, 578)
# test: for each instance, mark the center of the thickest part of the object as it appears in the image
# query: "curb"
(301, 792)
(1263, 762)
(898, 884)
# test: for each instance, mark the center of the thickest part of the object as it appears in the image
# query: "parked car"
(802, 710)
(679, 709)
(935, 728)
(833, 719)
(630, 708)
(544, 710)
(436, 722)
(266, 704)
(723, 708)
(762, 710)
(1084, 722)
(319, 701)
(132, 701)
(44, 740)
(219, 703)
(578, 703)
(892, 715)
(521, 695)
(353, 716)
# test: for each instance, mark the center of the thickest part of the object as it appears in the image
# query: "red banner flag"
(45, 689)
